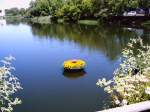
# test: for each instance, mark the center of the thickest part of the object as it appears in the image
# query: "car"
(131, 13)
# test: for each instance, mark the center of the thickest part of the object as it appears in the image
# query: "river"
(40, 51)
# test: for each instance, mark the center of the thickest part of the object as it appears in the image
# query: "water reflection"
(2, 22)
(15, 21)
(74, 74)
(39, 63)
(109, 40)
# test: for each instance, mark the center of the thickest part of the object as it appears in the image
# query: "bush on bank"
(131, 81)
(73, 10)
(9, 85)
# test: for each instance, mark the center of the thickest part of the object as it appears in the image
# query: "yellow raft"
(74, 64)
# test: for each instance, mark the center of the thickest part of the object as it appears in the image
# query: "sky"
(6, 4)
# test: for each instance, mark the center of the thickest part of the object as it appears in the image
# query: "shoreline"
(117, 20)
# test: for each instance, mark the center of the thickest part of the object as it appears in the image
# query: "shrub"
(69, 12)
(131, 81)
(9, 85)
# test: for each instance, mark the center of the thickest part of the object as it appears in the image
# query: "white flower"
(147, 90)
(9, 84)
(126, 94)
(124, 102)
(10, 58)
(130, 45)
(127, 84)
(117, 102)
(5, 62)
(108, 89)
(103, 82)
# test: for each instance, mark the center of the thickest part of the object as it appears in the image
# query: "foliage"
(9, 85)
(78, 9)
(131, 81)
(43, 7)
(15, 12)
(69, 12)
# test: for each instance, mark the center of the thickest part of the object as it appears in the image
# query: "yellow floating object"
(74, 64)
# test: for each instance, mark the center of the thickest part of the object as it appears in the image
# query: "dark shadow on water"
(74, 74)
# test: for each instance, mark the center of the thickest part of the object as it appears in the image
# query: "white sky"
(6, 4)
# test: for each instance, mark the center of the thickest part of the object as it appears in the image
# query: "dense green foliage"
(80, 9)
(15, 12)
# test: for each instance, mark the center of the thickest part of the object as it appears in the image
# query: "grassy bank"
(47, 20)
(88, 22)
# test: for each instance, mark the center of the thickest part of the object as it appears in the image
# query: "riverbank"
(48, 20)
(131, 20)
(123, 21)
(41, 20)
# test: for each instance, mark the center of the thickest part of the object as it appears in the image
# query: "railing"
(137, 107)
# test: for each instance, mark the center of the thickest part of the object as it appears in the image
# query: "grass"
(88, 22)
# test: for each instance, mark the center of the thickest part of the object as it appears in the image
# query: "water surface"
(40, 51)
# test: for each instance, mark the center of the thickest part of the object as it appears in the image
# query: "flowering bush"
(9, 85)
(131, 81)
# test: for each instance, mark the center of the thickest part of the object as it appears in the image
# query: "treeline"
(73, 10)
(15, 12)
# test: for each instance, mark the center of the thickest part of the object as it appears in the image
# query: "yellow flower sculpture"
(74, 64)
